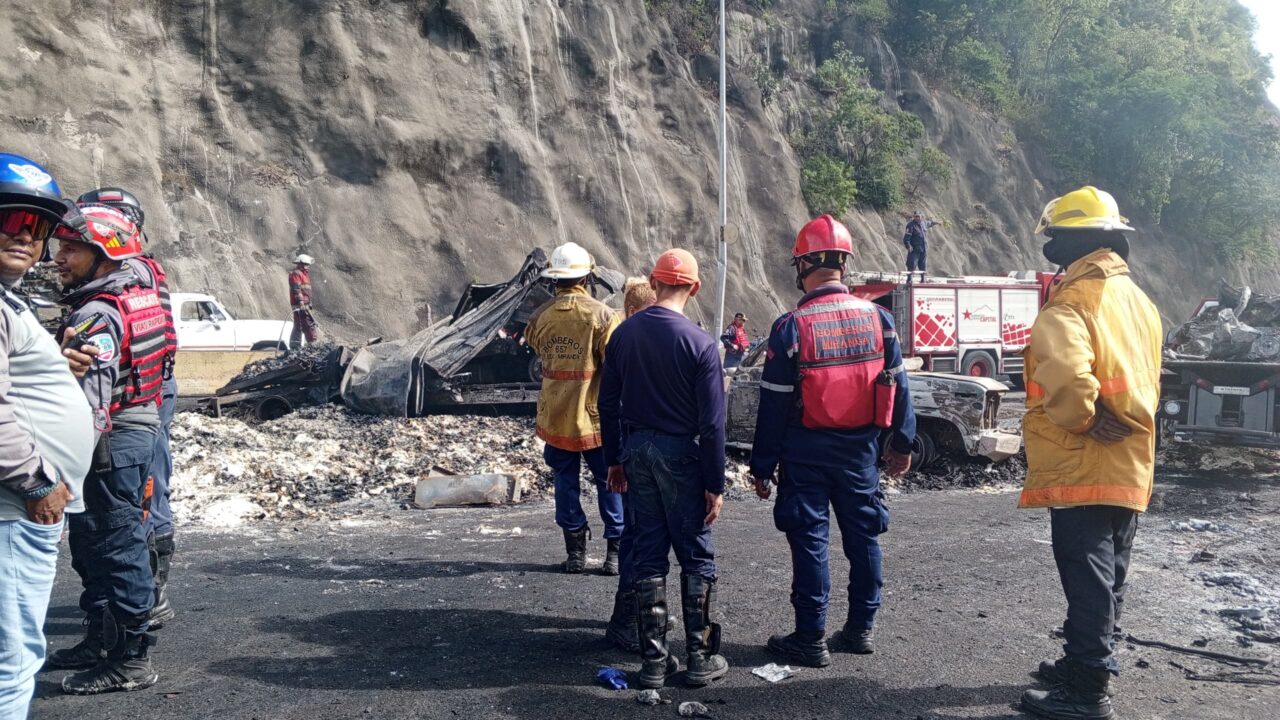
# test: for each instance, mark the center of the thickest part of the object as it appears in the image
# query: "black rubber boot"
(651, 628)
(162, 548)
(611, 557)
(858, 641)
(84, 654)
(622, 630)
(802, 648)
(701, 636)
(575, 546)
(1083, 695)
(1050, 673)
(127, 666)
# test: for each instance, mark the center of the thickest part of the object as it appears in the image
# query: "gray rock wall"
(413, 146)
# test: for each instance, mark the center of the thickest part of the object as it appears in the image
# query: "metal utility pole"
(722, 246)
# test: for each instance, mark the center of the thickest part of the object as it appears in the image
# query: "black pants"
(1091, 545)
(917, 256)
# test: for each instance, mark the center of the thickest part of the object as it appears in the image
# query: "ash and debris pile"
(328, 461)
(1244, 327)
(310, 356)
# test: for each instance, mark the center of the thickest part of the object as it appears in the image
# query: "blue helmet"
(24, 185)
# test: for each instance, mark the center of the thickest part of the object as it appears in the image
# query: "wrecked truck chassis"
(955, 413)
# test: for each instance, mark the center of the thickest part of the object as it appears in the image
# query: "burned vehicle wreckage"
(474, 359)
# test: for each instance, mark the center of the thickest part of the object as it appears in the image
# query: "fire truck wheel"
(979, 363)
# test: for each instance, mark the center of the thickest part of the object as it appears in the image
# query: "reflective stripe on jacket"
(1095, 343)
(569, 334)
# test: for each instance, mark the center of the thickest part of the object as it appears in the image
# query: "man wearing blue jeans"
(46, 435)
(662, 420)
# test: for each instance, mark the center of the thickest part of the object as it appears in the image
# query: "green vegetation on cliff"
(1160, 101)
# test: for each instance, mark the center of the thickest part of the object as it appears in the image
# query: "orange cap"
(675, 267)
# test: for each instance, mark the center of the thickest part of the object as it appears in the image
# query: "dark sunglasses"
(13, 222)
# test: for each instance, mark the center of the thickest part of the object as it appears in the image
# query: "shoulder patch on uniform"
(106, 344)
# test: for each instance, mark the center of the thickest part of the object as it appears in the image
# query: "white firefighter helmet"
(570, 261)
(303, 259)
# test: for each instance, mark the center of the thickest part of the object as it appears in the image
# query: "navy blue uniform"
(662, 417)
(824, 468)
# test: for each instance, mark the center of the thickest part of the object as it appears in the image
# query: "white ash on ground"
(325, 461)
(1206, 458)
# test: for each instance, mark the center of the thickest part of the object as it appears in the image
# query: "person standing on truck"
(662, 414)
(1092, 375)
(160, 533)
(916, 240)
(115, 311)
(833, 381)
(736, 341)
(569, 333)
(304, 321)
(46, 434)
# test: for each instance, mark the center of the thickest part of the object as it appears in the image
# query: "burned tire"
(979, 363)
(924, 451)
(535, 369)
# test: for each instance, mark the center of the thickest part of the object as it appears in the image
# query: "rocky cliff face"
(414, 145)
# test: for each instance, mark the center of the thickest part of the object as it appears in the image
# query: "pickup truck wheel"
(924, 452)
(535, 369)
(979, 363)
(266, 345)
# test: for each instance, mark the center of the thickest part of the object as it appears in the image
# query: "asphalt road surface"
(462, 614)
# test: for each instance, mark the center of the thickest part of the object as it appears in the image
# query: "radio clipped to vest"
(886, 390)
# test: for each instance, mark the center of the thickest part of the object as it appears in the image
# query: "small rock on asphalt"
(650, 697)
(694, 709)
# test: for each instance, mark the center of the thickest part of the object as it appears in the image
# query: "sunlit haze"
(1268, 37)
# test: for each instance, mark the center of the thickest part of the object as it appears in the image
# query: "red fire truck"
(975, 325)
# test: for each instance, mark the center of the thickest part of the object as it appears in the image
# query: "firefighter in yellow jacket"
(1093, 386)
(569, 334)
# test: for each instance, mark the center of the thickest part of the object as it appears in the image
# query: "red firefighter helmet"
(823, 234)
(108, 229)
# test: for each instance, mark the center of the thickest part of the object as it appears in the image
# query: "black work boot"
(84, 654)
(1051, 672)
(802, 648)
(161, 548)
(701, 636)
(575, 546)
(1083, 695)
(127, 666)
(651, 627)
(854, 640)
(621, 631)
(611, 557)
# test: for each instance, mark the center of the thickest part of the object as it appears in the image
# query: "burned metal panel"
(960, 401)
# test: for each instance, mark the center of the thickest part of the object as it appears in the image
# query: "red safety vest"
(162, 287)
(143, 349)
(841, 351)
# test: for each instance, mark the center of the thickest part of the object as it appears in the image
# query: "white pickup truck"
(204, 324)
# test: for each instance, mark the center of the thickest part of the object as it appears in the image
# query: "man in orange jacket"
(1093, 386)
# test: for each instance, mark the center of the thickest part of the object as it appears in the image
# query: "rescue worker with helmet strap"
(569, 334)
(833, 382)
(160, 533)
(304, 321)
(1093, 386)
(120, 315)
